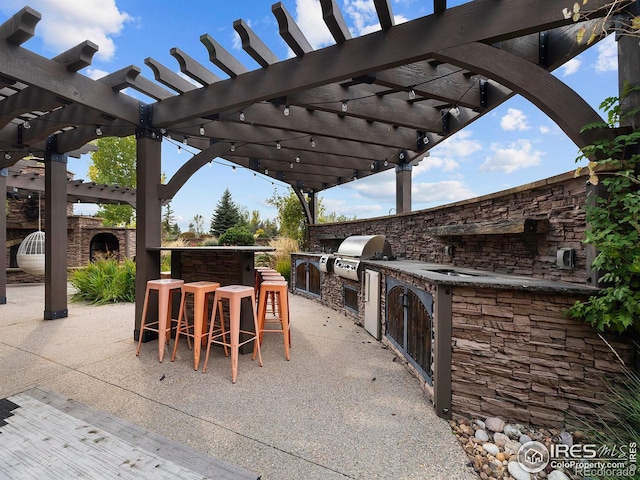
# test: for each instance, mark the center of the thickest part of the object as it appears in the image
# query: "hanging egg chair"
(30, 255)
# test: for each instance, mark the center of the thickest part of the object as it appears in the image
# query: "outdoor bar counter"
(226, 265)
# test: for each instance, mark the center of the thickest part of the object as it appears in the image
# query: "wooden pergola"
(322, 118)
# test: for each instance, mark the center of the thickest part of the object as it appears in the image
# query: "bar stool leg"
(234, 327)
(256, 340)
(181, 314)
(284, 321)
(144, 319)
(164, 317)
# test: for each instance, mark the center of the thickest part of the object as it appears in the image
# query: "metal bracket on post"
(484, 93)
(51, 153)
(543, 49)
(145, 123)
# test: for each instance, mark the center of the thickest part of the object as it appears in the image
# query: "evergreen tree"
(225, 216)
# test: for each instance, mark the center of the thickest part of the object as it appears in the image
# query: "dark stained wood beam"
(221, 58)
(368, 106)
(25, 101)
(290, 32)
(121, 79)
(78, 57)
(252, 44)
(167, 77)
(20, 27)
(562, 104)
(153, 90)
(335, 21)
(439, 6)
(193, 69)
(341, 127)
(37, 71)
(392, 48)
(385, 15)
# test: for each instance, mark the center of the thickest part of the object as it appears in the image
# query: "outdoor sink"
(454, 273)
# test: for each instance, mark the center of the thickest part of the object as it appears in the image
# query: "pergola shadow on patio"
(356, 108)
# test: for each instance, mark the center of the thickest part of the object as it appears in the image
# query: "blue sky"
(512, 145)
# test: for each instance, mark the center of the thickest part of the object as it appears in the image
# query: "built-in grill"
(356, 248)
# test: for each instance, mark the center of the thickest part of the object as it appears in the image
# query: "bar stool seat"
(164, 287)
(279, 291)
(234, 295)
(197, 331)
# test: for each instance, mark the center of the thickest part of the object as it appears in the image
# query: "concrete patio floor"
(341, 408)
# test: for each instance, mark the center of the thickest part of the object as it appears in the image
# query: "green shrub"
(236, 236)
(283, 266)
(105, 281)
(210, 242)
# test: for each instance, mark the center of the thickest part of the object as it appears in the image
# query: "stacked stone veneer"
(22, 219)
(514, 352)
(559, 200)
(516, 355)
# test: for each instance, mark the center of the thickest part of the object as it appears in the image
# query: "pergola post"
(313, 207)
(55, 220)
(403, 187)
(148, 212)
(3, 234)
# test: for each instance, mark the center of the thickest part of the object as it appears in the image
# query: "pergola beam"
(252, 44)
(193, 69)
(290, 32)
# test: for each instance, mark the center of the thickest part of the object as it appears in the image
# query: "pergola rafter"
(370, 103)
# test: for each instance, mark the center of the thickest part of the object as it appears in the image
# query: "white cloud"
(544, 129)
(439, 192)
(309, 19)
(439, 163)
(514, 120)
(514, 156)
(607, 55)
(458, 145)
(66, 23)
(571, 67)
(95, 73)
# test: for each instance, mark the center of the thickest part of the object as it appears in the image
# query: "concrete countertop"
(436, 273)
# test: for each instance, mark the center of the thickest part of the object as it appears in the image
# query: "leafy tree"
(614, 224)
(225, 216)
(291, 216)
(114, 163)
(236, 235)
(197, 225)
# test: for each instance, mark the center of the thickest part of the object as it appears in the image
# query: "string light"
(242, 117)
(7, 156)
(233, 168)
(313, 143)
(291, 165)
(98, 130)
(412, 94)
(286, 111)
(179, 149)
(233, 147)
(297, 158)
(386, 164)
(26, 125)
(344, 106)
(278, 146)
(185, 141)
(266, 171)
(201, 129)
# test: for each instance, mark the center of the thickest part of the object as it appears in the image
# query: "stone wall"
(558, 200)
(515, 355)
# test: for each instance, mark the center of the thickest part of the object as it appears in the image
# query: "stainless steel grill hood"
(360, 247)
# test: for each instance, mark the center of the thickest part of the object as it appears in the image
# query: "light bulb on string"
(344, 106)
(412, 94)
(26, 125)
(233, 168)
(179, 149)
(233, 147)
(201, 130)
(386, 163)
(291, 165)
(7, 156)
(185, 140)
(297, 158)
(266, 171)
(278, 146)
(286, 111)
(98, 130)
(242, 117)
(312, 142)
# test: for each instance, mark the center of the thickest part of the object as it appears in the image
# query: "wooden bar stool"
(164, 287)
(234, 294)
(279, 289)
(197, 331)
